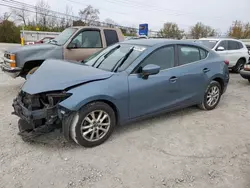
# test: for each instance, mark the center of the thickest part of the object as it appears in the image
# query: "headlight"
(12, 60)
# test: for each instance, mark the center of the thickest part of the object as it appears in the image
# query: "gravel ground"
(186, 148)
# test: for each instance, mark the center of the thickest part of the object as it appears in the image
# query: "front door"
(224, 53)
(158, 91)
(84, 44)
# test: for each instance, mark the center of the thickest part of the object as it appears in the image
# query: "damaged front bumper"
(42, 116)
(31, 116)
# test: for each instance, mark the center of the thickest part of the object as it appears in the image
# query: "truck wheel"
(31, 72)
(93, 124)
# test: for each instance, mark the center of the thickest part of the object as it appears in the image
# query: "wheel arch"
(221, 82)
(30, 65)
(69, 119)
(243, 58)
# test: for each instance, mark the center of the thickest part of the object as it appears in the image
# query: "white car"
(231, 50)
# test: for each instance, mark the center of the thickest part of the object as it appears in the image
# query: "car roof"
(93, 27)
(219, 39)
(152, 42)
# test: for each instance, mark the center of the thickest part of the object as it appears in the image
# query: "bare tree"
(68, 16)
(52, 21)
(5, 16)
(110, 22)
(21, 15)
(200, 30)
(239, 30)
(89, 15)
(42, 12)
(171, 30)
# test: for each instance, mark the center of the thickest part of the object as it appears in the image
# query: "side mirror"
(72, 45)
(220, 48)
(150, 69)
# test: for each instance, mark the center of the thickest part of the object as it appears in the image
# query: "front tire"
(239, 65)
(31, 71)
(93, 124)
(212, 96)
(249, 80)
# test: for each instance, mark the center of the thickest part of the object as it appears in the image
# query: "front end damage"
(39, 113)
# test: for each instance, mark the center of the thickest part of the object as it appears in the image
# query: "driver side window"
(163, 57)
(223, 44)
(88, 39)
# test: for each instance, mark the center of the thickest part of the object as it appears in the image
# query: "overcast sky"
(216, 13)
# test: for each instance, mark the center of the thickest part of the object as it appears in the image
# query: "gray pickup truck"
(74, 43)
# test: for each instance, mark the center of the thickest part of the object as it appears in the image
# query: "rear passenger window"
(110, 36)
(240, 45)
(163, 57)
(188, 54)
(203, 54)
(233, 45)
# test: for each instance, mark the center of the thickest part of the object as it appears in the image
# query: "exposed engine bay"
(39, 113)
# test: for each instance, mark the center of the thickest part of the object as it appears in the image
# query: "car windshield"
(116, 57)
(208, 43)
(63, 37)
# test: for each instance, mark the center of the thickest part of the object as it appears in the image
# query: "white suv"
(231, 50)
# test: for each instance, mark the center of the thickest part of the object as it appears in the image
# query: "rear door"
(234, 52)
(87, 42)
(110, 36)
(191, 74)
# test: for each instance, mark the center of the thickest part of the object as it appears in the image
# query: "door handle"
(173, 79)
(205, 70)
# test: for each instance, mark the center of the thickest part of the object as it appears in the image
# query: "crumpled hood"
(55, 75)
(34, 47)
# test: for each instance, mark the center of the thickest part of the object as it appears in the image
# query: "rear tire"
(212, 96)
(31, 71)
(249, 80)
(93, 124)
(239, 65)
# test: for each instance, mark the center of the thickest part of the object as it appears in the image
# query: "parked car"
(232, 50)
(127, 81)
(248, 47)
(74, 43)
(43, 40)
(245, 73)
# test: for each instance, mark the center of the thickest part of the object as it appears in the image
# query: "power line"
(16, 5)
(77, 2)
(152, 7)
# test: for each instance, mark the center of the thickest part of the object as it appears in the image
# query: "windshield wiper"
(54, 41)
(105, 56)
(122, 60)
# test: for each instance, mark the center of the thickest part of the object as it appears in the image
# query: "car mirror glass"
(220, 48)
(150, 69)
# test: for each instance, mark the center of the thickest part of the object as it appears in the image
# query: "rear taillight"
(226, 62)
(247, 67)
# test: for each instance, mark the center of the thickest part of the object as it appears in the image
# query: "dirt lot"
(187, 148)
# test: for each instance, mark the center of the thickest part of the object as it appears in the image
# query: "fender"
(113, 90)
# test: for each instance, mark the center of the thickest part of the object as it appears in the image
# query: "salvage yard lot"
(186, 148)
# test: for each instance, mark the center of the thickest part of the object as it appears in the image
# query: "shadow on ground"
(56, 140)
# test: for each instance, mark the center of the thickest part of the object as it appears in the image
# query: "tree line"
(45, 19)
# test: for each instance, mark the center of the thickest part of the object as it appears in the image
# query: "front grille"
(7, 56)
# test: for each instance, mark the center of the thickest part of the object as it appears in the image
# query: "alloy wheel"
(95, 125)
(213, 96)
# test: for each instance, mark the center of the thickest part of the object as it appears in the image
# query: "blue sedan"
(125, 82)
